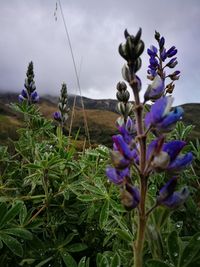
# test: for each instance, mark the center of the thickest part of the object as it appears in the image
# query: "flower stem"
(142, 219)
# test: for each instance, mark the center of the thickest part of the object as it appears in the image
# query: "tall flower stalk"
(130, 148)
(29, 94)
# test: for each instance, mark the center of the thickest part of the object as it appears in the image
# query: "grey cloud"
(29, 32)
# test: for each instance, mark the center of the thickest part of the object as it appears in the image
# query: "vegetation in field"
(60, 206)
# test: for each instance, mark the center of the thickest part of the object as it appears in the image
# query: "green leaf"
(173, 247)
(42, 263)
(3, 209)
(191, 251)
(23, 214)
(68, 239)
(68, 259)
(76, 247)
(19, 232)
(12, 244)
(116, 206)
(12, 212)
(104, 214)
(104, 262)
(156, 263)
(87, 198)
(82, 262)
(92, 189)
(116, 262)
(124, 235)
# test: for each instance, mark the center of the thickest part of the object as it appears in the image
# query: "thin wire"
(77, 78)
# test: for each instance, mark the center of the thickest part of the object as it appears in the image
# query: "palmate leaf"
(12, 244)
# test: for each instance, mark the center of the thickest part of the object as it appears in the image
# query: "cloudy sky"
(29, 31)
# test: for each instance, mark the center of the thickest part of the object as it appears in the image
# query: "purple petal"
(177, 199)
(122, 146)
(162, 42)
(173, 148)
(116, 176)
(156, 89)
(180, 163)
(130, 197)
(24, 93)
(171, 118)
(118, 160)
(148, 120)
(158, 109)
(57, 116)
(167, 190)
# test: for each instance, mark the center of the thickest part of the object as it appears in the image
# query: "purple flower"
(22, 96)
(127, 130)
(57, 116)
(118, 160)
(163, 55)
(162, 42)
(152, 51)
(117, 176)
(156, 89)
(172, 52)
(166, 156)
(34, 97)
(130, 196)
(171, 198)
(160, 115)
(122, 147)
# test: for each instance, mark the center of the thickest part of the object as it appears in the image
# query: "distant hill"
(101, 115)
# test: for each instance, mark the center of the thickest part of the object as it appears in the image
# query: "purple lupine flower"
(172, 52)
(166, 156)
(130, 196)
(160, 116)
(167, 190)
(34, 97)
(171, 198)
(57, 116)
(123, 147)
(163, 55)
(127, 130)
(156, 89)
(162, 42)
(117, 176)
(152, 51)
(118, 160)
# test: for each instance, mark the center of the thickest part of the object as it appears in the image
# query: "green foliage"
(58, 209)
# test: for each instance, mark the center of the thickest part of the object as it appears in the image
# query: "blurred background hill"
(101, 115)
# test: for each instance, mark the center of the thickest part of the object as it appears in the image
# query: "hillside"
(101, 115)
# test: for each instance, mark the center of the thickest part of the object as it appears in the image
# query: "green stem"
(142, 220)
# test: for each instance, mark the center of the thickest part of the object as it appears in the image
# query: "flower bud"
(121, 86)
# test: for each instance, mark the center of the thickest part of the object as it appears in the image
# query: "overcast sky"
(29, 31)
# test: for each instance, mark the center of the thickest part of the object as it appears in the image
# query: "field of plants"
(135, 205)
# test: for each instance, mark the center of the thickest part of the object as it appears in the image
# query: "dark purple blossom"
(162, 42)
(171, 198)
(160, 116)
(130, 196)
(166, 156)
(172, 52)
(117, 176)
(57, 116)
(123, 147)
(34, 97)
